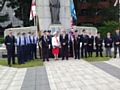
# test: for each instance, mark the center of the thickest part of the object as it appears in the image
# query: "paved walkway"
(63, 75)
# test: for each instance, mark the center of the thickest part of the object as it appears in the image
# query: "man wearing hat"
(24, 47)
(19, 48)
(98, 42)
(45, 46)
(50, 46)
(34, 45)
(29, 47)
(116, 40)
(64, 44)
(84, 40)
(77, 40)
(9, 42)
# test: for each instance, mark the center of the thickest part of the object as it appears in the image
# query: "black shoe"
(48, 60)
(36, 58)
(14, 63)
(101, 56)
(96, 56)
(62, 59)
(106, 56)
(43, 60)
(66, 58)
(9, 65)
(114, 56)
(75, 58)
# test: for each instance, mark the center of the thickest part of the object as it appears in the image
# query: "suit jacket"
(108, 41)
(98, 41)
(91, 40)
(77, 42)
(64, 39)
(116, 38)
(45, 42)
(9, 42)
(84, 39)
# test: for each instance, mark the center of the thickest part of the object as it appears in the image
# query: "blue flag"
(72, 8)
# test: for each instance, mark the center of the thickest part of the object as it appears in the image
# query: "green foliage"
(23, 10)
(1, 40)
(4, 18)
(87, 25)
(108, 26)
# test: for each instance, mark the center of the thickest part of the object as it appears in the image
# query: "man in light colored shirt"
(19, 48)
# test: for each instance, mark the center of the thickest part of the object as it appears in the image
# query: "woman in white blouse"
(55, 45)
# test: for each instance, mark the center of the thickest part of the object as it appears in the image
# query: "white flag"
(33, 9)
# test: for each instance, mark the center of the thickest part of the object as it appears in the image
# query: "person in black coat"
(90, 44)
(50, 46)
(64, 44)
(116, 40)
(77, 39)
(98, 42)
(84, 40)
(45, 46)
(10, 46)
(108, 44)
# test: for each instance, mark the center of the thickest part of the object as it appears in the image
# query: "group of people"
(73, 44)
(25, 44)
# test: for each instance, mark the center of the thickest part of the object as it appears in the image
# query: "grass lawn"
(94, 58)
(32, 63)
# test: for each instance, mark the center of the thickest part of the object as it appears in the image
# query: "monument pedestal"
(57, 27)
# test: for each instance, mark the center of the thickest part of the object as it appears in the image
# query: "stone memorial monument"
(53, 14)
(55, 11)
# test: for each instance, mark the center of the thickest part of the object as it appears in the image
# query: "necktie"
(24, 40)
(19, 41)
(30, 40)
(33, 40)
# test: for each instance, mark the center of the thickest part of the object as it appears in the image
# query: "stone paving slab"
(112, 70)
(79, 75)
(35, 79)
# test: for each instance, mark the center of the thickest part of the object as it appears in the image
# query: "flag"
(116, 2)
(33, 9)
(72, 9)
(38, 28)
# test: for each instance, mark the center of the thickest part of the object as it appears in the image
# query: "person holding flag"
(71, 36)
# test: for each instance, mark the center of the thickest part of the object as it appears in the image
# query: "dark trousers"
(24, 53)
(45, 53)
(84, 51)
(34, 49)
(29, 52)
(77, 52)
(115, 50)
(99, 49)
(90, 50)
(11, 55)
(64, 51)
(71, 49)
(19, 54)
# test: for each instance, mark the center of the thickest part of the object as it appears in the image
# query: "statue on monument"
(55, 10)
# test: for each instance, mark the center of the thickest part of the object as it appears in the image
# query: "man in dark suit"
(90, 44)
(70, 37)
(34, 46)
(50, 46)
(10, 46)
(108, 44)
(45, 46)
(77, 39)
(64, 44)
(116, 40)
(84, 40)
(98, 42)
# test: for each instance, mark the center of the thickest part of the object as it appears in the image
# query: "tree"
(3, 18)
